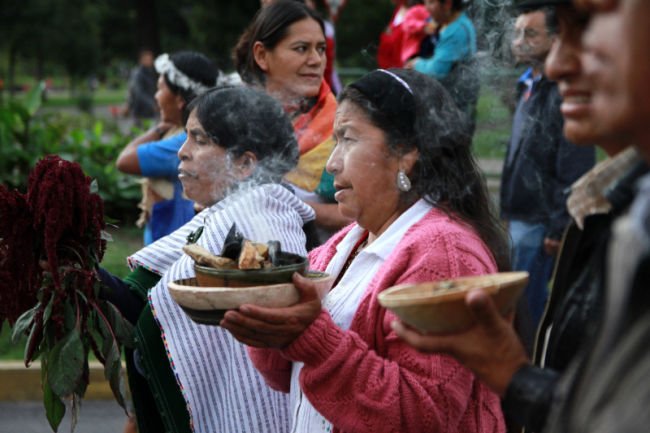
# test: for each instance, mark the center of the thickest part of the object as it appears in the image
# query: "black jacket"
(545, 165)
(574, 308)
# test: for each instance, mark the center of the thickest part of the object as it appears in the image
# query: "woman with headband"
(283, 54)
(405, 174)
(154, 154)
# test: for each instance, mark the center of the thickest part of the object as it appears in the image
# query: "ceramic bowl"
(439, 308)
(207, 305)
(290, 263)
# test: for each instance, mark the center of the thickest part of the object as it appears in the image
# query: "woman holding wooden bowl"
(184, 376)
(406, 176)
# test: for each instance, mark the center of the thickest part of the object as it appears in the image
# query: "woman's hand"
(275, 328)
(491, 348)
(429, 28)
(410, 63)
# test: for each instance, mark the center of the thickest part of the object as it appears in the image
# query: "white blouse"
(344, 299)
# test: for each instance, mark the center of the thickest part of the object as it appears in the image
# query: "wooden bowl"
(207, 305)
(290, 263)
(439, 308)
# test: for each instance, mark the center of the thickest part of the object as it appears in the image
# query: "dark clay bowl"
(289, 263)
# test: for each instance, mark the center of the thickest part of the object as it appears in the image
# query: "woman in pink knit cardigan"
(405, 174)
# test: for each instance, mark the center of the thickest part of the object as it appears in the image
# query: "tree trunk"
(12, 72)
(146, 23)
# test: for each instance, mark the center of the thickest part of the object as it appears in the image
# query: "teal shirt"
(457, 42)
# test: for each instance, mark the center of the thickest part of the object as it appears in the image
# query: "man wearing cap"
(540, 162)
(597, 202)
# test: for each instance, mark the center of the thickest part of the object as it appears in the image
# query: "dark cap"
(532, 4)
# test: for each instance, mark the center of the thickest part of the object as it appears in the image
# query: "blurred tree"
(358, 29)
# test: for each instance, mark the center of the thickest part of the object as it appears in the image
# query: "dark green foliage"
(25, 137)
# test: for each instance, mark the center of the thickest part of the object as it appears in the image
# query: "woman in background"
(154, 154)
(453, 62)
(283, 53)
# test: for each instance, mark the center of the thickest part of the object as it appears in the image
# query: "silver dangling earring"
(403, 182)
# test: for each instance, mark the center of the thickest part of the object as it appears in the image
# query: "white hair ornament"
(164, 65)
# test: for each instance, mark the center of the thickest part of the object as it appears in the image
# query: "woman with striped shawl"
(184, 376)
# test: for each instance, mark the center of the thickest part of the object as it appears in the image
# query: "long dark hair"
(242, 119)
(446, 173)
(270, 26)
(197, 67)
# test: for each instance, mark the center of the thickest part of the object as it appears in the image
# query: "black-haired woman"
(182, 76)
(283, 53)
(187, 377)
(405, 173)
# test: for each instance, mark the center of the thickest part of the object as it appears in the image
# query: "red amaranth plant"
(61, 219)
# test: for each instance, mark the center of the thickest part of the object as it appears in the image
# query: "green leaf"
(22, 324)
(29, 341)
(106, 236)
(98, 130)
(48, 309)
(69, 315)
(94, 187)
(54, 407)
(109, 220)
(122, 328)
(76, 410)
(85, 378)
(66, 361)
(113, 373)
(33, 99)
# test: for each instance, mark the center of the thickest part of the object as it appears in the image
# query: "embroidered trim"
(169, 355)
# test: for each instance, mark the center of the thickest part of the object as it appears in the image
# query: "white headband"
(402, 82)
(165, 66)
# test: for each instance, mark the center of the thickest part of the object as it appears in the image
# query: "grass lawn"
(127, 240)
(493, 126)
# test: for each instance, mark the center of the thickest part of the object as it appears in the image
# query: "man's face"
(564, 66)
(146, 59)
(617, 44)
(531, 42)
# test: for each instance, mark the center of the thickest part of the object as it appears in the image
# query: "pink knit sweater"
(368, 380)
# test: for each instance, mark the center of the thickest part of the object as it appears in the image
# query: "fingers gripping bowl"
(439, 308)
(244, 273)
(207, 305)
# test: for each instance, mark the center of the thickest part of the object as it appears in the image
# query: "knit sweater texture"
(368, 380)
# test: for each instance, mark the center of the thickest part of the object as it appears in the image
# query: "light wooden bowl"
(439, 308)
(207, 305)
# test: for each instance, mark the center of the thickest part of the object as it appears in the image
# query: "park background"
(65, 64)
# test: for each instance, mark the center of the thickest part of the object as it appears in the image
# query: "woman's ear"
(409, 159)
(260, 53)
(245, 165)
(180, 102)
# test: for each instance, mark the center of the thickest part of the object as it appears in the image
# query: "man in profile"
(540, 163)
(140, 102)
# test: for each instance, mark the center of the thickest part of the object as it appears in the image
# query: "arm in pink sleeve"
(390, 386)
(415, 19)
(275, 369)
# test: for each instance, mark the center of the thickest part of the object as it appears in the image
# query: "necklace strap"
(353, 255)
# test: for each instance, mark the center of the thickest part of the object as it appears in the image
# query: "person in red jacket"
(389, 52)
(422, 213)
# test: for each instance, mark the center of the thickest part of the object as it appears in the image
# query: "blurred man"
(540, 163)
(140, 102)
(609, 391)
(598, 200)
